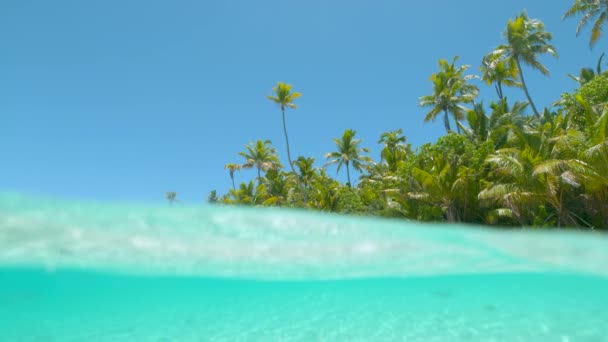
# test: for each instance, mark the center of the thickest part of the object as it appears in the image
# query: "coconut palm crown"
(450, 90)
(261, 155)
(526, 41)
(348, 153)
(591, 10)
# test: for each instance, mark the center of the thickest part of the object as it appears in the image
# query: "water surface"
(72, 271)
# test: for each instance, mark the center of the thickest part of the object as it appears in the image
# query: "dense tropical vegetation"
(508, 163)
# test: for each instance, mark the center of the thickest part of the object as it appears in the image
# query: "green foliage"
(506, 168)
(395, 149)
(450, 90)
(526, 41)
(349, 201)
(499, 71)
(590, 95)
(261, 155)
(348, 153)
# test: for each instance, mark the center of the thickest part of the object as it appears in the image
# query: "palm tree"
(233, 168)
(284, 97)
(595, 154)
(591, 10)
(247, 194)
(517, 191)
(278, 187)
(587, 74)
(499, 73)
(212, 198)
(395, 149)
(444, 179)
(260, 155)
(562, 178)
(506, 123)
(306, 170)
(450, 90)
(171, 196)
(348, 153)
(478, 129)
(526, 40)
(437, 186)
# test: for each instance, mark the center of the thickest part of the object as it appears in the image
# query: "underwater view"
(73, 271)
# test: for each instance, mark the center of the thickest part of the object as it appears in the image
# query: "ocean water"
(77, 271)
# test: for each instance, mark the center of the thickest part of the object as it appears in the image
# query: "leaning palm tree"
(526, 40)
(450, 91)
(348, 153)
(261, 155)
(591, 10)
(233, 168)
(284, 97)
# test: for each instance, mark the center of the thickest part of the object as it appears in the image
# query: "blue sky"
(124, 100)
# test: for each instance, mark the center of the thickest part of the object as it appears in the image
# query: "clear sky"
(124, 100)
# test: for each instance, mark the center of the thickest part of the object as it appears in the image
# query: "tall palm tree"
(591, 10)
(261, 155)
(233, 168)
(450, 91)
(348, 153)
(284, 97)
(526, 40)
(499, 72)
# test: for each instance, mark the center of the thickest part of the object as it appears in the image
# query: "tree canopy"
(505, 165)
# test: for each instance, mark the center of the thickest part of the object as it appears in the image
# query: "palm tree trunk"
(348, 175)
(232, 178)
(287, 142)
(304, 196)
(523, 83)
(259, 177)
(446, 121)
(499, 89)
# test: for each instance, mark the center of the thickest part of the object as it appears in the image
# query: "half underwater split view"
(108, 272)
(323, 170)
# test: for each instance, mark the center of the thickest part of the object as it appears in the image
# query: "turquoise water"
(121, 272)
